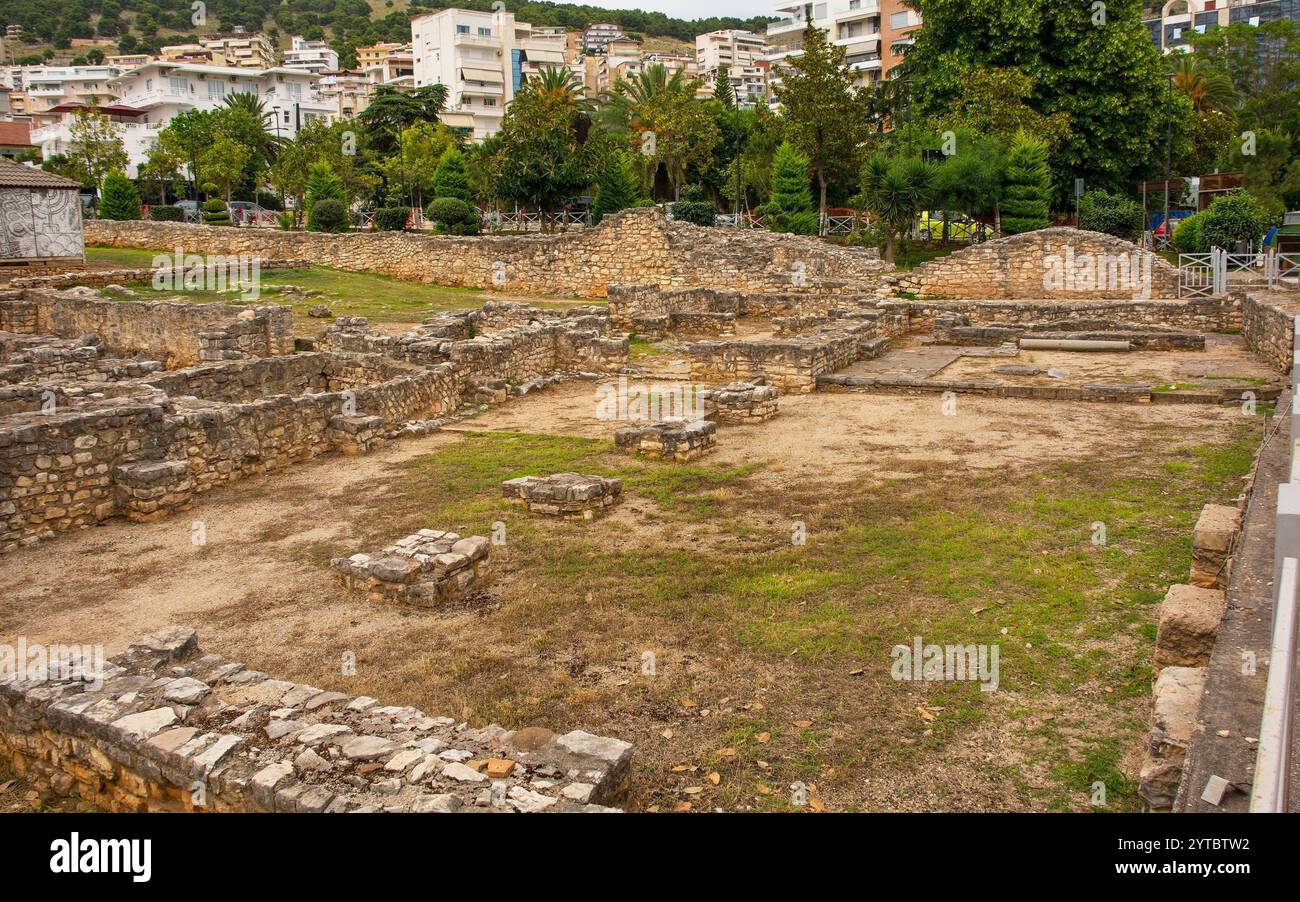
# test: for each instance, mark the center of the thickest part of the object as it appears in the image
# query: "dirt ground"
(535, 650)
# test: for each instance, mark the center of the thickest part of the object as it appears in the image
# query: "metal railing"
(531, 221)
(1270, 790)
(1204, 275)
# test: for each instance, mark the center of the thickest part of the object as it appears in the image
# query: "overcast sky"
(693, 9)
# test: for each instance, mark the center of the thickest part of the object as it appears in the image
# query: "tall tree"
(1094, 63)
(1029, 187)
(94, 147)
(618, 187)
(825, 115)
(790, 208)
(895, 191)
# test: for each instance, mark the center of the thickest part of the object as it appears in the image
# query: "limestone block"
(1188, 624)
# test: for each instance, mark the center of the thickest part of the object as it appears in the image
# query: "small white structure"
(40, 218)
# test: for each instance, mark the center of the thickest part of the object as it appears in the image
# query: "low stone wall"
(426, 569)
(741, 403)
(790, 364)
(631, 304)
(75, 466)
(633, 247)
(177, 333)
(1187, 626)
(956, 329)
(568, 495)
(1268, 326)
(164, 727)
(900, 317)
(682, 441)
(1057, 263)
(100, 278)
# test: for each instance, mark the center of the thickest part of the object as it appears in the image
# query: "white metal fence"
(1270, 790)
(1205, 275)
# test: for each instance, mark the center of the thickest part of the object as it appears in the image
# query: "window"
(295, 89)
(462, 29)
(855, 4)
(177, 85)
(488, 101)
(819, 11)
(485, 32)
(216, 89)
(900, 20)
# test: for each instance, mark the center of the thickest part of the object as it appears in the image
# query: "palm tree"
(1208, 88)
(895, 191)
(653, 96)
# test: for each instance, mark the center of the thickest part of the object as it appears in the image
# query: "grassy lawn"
(774, 659)
(381, 298)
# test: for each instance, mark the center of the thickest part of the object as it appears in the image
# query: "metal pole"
(1169, 154)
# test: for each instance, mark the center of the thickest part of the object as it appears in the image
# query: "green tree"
(223, 163)
(121, 200)
(413, 167)
(1095, 65)
(323, 184)
(1028, 187)
(449, 179)
(825, 116)
(94, 147)
(618, 188)
(790, 208)
(1234, 218)
(548, 151)
(1111, 213)
(896, 191)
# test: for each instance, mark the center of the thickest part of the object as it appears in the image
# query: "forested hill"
(145, 25)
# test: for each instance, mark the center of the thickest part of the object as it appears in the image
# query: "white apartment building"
(312, 56)
(348, 91)
(595, 37)
(37, 90)
(483, 59)
(150, 96)
(875, 34)
(743, 55)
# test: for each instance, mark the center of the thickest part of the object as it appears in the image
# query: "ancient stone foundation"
(568, 495)
(679, 440)
(165, 727)
(741, 403)
(426, 569)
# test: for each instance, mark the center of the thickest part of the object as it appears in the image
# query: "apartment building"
(36, 90)
(348, 91)
(126, 61)
(376, 54)
(310, 56)
(152, 95)
(483, 59)
(1171, 30)
(241, 49)
(742, 54)
(875, 34)
(596, 37)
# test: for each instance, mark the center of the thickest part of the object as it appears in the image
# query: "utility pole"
(1169, 154)
(735, 90)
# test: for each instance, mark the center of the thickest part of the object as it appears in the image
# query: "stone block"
(1189, 620)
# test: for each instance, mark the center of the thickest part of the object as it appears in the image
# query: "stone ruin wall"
(1013, 268)
(1268, 327)
(632, 247)
(177, 333)
(165, 727)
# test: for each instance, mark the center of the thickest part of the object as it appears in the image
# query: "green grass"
(381, 298)
(952, 559)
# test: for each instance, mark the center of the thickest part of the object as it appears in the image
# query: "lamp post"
(1169, 154)
(735, 164)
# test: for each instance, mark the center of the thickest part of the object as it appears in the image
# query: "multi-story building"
(483, 59)
(875, 34)
(742, 54)
(1170, 30)
(348, 90)
(311, 56)
(242, 49)
(621, 60)
(37, 90)
(375, 54)
(595, 37)
(153, 94)
(126, 61)
(396, 68)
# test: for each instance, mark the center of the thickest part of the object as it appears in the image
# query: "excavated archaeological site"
(655, 548)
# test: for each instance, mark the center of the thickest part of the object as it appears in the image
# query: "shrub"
(285, 221)
(166, 213)
(453, 216)
(1233, 218)
(1187, 237)
(1029, 186)
(322, 183)
(391, 219)
(695, 207)
(214, 212)
(328, 215)
(120, 199)
(1112, 214)
(268, 201)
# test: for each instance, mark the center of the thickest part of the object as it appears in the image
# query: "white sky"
(694, 9)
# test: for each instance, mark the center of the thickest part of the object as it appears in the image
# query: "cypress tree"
(617, 189)
(449, 179)
(1029, 187)
(120, 200)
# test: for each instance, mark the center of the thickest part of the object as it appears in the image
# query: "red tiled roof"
(15, 133)
(16, 175)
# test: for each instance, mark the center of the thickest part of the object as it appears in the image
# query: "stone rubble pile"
(568, 495)
(675, 439)
(427, 569)
(165, 727)
(739, 403)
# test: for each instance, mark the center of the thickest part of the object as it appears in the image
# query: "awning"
(545, 56)
(489, 75)
(456, 120)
